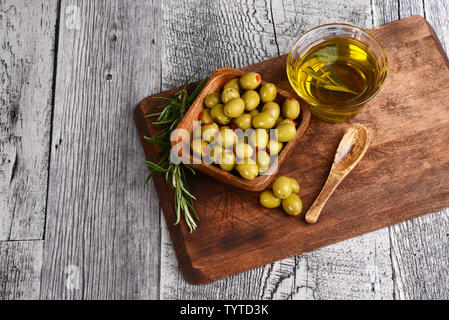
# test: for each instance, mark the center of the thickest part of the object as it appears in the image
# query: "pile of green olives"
(284, 191)
(245, 103)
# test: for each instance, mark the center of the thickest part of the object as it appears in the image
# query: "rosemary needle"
(171, 113)
(330, 81)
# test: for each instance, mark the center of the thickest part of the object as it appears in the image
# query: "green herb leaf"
(155, 167)
(330, 81)
(197, 90)
(157, 142)
(162, 98)
(190, 79)
(169, 116)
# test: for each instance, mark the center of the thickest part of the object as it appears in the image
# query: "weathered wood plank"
(204, 36)
(20, 269)
(419, 248)
(358, 268)
(103, 222)
(384, 11)
(407, 8)
(293, 18)
(437, 13)
(245, 285)
(26, 73)
(421, 257)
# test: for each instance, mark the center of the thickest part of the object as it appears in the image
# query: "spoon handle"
(331, 184)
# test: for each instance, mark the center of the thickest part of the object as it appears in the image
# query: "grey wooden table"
(77, 220)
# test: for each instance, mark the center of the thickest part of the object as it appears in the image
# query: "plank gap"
(53, 97)
(274, 27)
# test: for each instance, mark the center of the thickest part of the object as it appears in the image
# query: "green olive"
(227, 162)
(292, 205)
(251, 99)
(272, 108)
(263, 161)
(211, 100)
(199, 148)
(287, 121)
(282, 187)
(291, 108)
(215, 153)
(243, 150)
(229, 94)
(208, 131)
(234, 83)
(254, 112)
(295, 185)
(286, 132)
(226, 138)
(268, 200)
(244, 121)
(250, 81)
(248, 170)
(234, 108)
(218, 115)
(205, 116)
(268, 92)
(259, 138)
(274, 147)
(264, 120)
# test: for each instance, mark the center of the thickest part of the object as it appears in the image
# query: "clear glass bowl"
(315, 36)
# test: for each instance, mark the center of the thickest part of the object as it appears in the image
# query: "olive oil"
(335, 77)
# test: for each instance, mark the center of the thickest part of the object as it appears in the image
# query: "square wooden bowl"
(215, 84)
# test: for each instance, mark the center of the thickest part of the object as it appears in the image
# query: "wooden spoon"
(350, 151)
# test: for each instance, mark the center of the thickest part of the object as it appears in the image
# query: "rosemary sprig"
(171, 113)
(330, 81)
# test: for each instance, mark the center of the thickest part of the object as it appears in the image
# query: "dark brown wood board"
(404, 174)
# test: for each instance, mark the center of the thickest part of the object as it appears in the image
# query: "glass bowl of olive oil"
(336, 68)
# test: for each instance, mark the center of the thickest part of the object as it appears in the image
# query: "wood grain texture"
(421, 257)
(384, 11)
(292, 18)
(407, 8)
(419, 247)
(350, 151)
(271, 281)
(359, 268)
(252, 235)
(20, 269)
(437, 13)
(101, 216)
(204, 36)
(355, 269)
(26, 74)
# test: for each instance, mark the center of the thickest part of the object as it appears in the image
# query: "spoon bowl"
(350, 151)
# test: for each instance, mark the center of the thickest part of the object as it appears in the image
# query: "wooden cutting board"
(404, 174)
